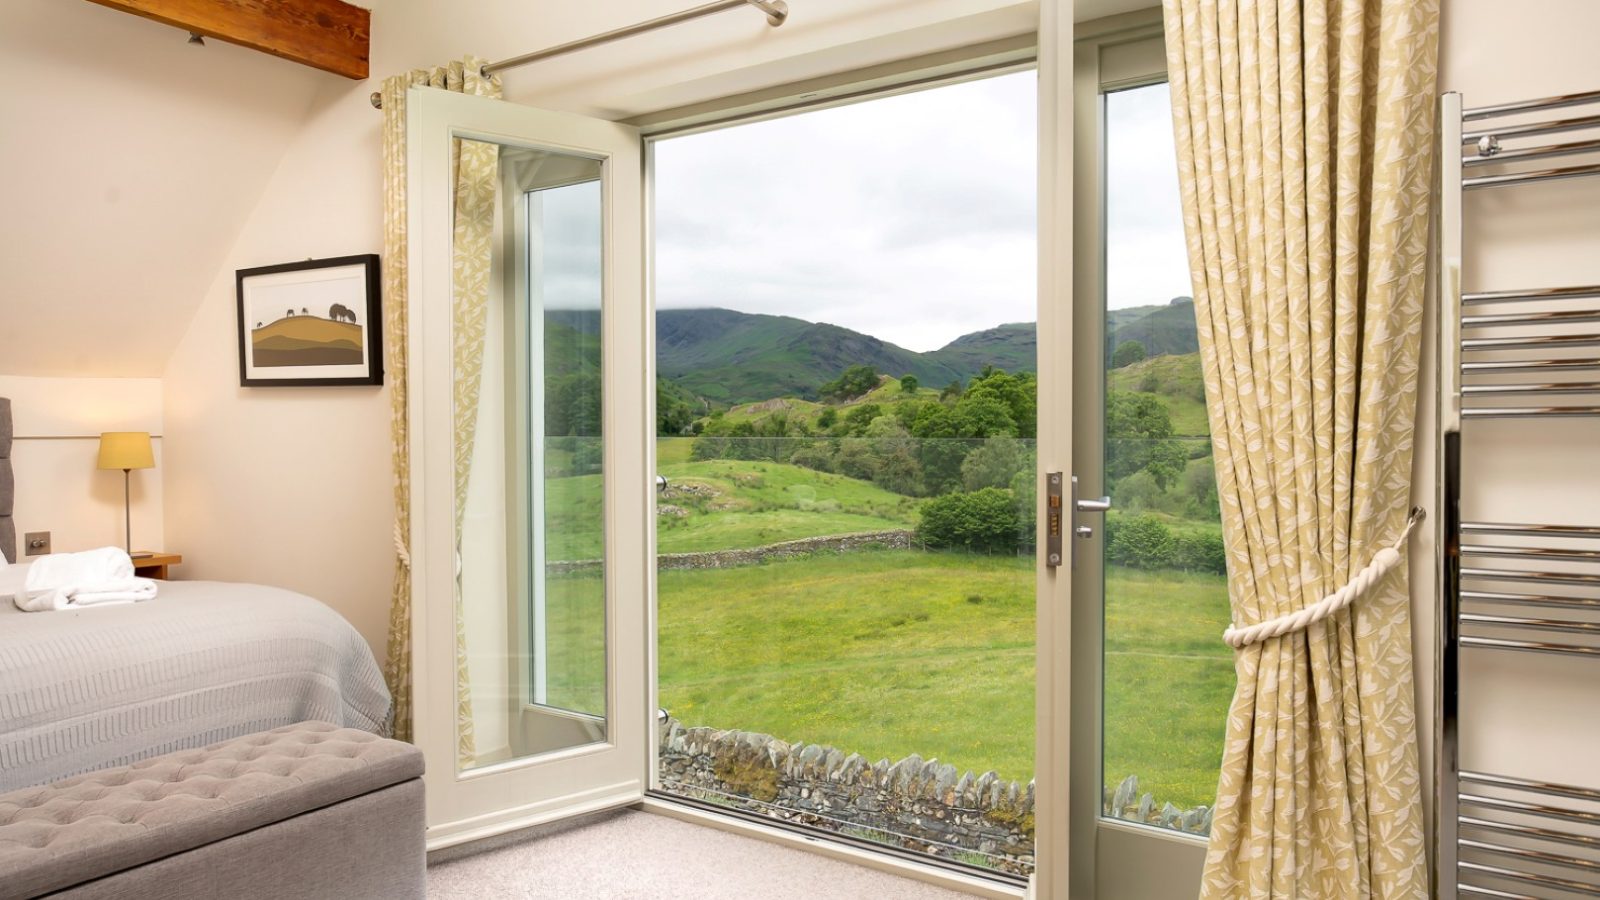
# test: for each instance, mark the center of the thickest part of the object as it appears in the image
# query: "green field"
(889, 653)
(728, 503)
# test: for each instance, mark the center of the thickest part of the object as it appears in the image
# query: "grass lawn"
(1168, 681)
(890, 653)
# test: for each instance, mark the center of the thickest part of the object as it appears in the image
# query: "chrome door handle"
(1101, 505)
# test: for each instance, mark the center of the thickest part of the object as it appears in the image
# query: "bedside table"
(155, 566)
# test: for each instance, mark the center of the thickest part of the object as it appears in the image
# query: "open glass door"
(1152, 679)
(529, 506)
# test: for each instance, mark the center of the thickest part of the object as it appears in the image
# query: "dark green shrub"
(1201, 551)
(1140, 541)
(982, 521)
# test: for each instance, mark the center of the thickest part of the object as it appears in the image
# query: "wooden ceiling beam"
(330, 35)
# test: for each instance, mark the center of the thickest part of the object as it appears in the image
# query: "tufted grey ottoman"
(305, 811)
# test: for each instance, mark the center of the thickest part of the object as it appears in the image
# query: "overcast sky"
(909, 218)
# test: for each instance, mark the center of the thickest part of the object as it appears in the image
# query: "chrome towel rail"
(1506, 586)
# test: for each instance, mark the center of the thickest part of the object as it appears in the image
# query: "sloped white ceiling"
(128, 161)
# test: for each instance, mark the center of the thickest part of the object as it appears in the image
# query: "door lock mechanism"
(1056, 513)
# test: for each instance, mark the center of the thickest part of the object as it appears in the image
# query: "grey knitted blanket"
(201, 663)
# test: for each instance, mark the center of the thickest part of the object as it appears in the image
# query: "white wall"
(1521, 714)
(57, 423)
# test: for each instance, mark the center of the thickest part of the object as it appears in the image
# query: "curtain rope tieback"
(400, 546)
(1383, 561)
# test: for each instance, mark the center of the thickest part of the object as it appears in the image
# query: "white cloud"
(910, 218)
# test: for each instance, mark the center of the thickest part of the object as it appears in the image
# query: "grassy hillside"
(1166, 329)
(1177, 381)
(731, 357)
(1013, 347)
(721, 504)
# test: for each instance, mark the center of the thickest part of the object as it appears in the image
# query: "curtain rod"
(777, 13)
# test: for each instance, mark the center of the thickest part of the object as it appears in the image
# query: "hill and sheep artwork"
(311, 324)
(302, 338)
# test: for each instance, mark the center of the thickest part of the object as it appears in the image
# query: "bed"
(83, 689)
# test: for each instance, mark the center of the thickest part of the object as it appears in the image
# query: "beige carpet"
(630, 854)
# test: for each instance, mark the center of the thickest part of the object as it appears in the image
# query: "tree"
(995, 463)
(1126, 354)
(1139, 436)
(828, 417)
(854, 382)
(982, 521)
(951, 391)
(858, 418)
(908, 384)
(1019, 393)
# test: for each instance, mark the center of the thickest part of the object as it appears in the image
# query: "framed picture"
(311, 323)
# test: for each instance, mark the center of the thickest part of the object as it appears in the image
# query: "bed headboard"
(8, 485)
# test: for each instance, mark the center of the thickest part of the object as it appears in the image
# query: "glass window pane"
(531, 557)
(847, 412)
(1168, 676)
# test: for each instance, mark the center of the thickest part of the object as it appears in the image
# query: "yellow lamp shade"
(126, 450)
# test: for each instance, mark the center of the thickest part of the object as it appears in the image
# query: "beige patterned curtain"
(474, 168)
(1304, 132)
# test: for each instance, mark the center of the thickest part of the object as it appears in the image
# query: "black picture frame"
(254, 373)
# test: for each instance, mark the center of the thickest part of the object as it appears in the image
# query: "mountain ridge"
(730, 357)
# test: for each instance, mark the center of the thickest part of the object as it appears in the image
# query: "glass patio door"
(529, 501)
(1151, 677)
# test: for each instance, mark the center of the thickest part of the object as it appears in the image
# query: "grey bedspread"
(203, 662)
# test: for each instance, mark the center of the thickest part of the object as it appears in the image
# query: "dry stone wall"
(748, 556)
(915, 803)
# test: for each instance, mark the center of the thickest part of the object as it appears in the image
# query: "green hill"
(734, 357)
(1013, 347)
(1163, 330)
(1177, 381)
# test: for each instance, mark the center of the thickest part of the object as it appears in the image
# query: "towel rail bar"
(1530, 365)
(1509, 320)
(1533, 412)
(1560, 101)
(1587, 629)
(1525, 342)
(1549, 881)
(1561, 174)
(1531, 832)
(1530, 129)
(1537, 856)
(1555, 387)
(1549, 600)
(1531, 553)
(1531, 577)
(1519, 528)
(1518, 154)
(1532, 786)
(1532, 295)
(1483, 643)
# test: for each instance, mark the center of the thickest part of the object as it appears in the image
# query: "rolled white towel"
(73, 580)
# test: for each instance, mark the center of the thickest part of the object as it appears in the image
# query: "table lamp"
(126, 450)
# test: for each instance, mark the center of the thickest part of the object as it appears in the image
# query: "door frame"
(466, 806)
(1109, 859)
